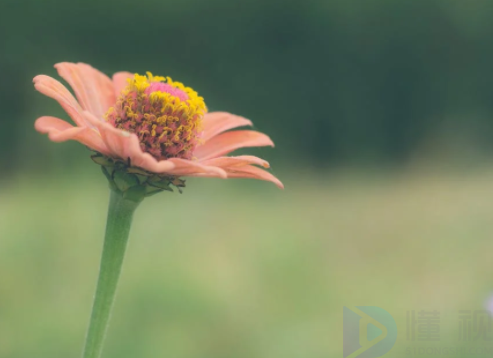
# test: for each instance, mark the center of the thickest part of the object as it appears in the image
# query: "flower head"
(150, 125)
(166, 117)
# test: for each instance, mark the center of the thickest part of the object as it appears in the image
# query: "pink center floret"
(167, 88)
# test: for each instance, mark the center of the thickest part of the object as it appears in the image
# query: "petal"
(54, 89)
(93, 89)
(239, 161)
(227, 142)
(120, 81)
(112, 137)
(252, 172)
(61, 131)
(47, 124)
(124, 145)
(247, 171)
(184, 167)
(218, 122)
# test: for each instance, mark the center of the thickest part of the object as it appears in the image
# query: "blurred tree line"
(332, 81)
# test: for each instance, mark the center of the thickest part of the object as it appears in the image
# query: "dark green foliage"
(331, 81)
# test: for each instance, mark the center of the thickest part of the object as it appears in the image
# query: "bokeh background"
(382, 116)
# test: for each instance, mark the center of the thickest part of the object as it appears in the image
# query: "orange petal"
(247, 171)
(47, 124)
(227, 142)
(61, 131)
(120, 81)
(252, 172)
(54, 89)
(124, 145)
(93, 89)
(184, 167)
(239, 161)
(218, 122)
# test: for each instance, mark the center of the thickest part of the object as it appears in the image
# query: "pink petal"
(227, 142)
(247, 171)
(232, 162)
(184, 167)
(124, 145)
(61, 131)
(218, 122)
(47, 124)
(120, 81)
(54, 89)
(252, 172)
(93, 89)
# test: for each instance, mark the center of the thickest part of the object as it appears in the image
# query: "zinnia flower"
(147, 132)
(150, 124)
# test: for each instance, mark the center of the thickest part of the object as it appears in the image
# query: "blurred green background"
(381, 113)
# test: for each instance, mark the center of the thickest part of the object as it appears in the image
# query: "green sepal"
(179, 183)
(108, 176)
(134, 170)
(142, 179)
(160, 183)
(161, 186)
(150, 190)
(124, 181)
(122, 177)
(104, 161)
(135, 194)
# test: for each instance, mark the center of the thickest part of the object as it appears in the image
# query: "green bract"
(133, 180)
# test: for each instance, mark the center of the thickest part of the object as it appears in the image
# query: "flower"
(152, 123)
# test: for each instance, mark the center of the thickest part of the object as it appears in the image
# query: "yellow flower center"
(165, 115)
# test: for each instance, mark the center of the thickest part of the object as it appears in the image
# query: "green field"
(241, 269)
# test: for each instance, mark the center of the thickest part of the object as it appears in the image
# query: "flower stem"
(120, 213)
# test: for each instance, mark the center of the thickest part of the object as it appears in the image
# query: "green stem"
(120, 213)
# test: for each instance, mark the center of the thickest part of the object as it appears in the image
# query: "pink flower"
(151, 122)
